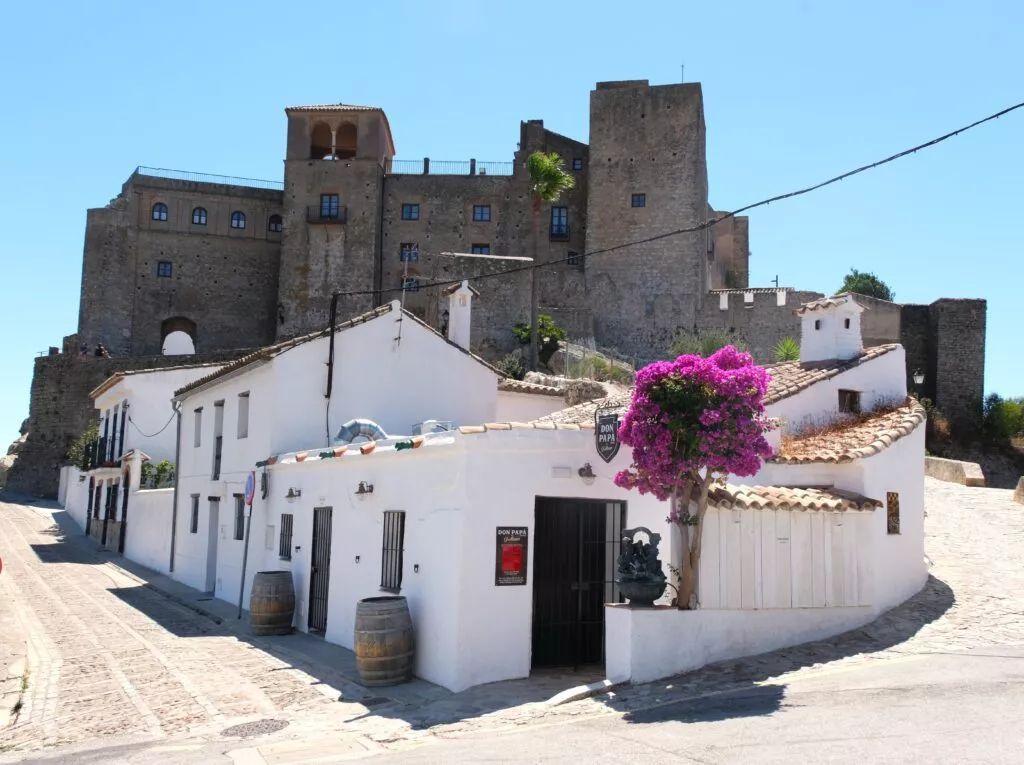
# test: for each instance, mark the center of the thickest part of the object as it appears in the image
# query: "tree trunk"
(534, 297)
(692, 536)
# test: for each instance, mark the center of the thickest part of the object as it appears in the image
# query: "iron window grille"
(239, 516)
(577, 163)
(892, 512)
(849, 401)
(160, 211)
(391, 553)
(559, 222)
(410, 212)
(284, 545)
(194, 521)
(330, 206)
(164, 269)
(237, 219)
(639, 200)
(410, 252)
(199, 216)
(275, 223)
(481, 249)
(481, 213)
(574, 258)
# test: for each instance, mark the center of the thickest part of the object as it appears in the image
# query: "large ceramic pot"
(643, 593)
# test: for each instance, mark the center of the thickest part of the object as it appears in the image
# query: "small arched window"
(199, 216)
(275, 223)
(159, 211)
(237, 219)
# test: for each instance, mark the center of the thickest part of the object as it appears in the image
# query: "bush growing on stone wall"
(76, 452)
(705, 342)
(512, 366)
(550, 336)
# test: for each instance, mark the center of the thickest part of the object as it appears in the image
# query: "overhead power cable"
(151, 435)
(710, 223)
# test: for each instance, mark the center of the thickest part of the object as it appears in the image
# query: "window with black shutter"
(284, 550)
(193, 526)
(391, 559)
(239, 516)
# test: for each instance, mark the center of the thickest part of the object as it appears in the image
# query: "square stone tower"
(648, 176)
(333, 194)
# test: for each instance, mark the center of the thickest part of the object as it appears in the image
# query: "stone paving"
(148, 666)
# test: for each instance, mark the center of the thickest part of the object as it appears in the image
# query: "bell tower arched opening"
(320, 141)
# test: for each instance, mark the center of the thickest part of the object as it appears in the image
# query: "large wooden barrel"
(384, 640)
(272, 603)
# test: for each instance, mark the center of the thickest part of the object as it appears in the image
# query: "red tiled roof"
(521, 386)
(786, 498)
(791, 377)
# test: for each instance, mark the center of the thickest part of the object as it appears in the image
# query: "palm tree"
(547, 182)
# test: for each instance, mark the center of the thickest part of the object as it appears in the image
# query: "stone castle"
(185, 262)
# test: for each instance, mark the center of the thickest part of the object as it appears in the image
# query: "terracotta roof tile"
(509, 385)
(755, 290)
(858, 439)
(787, 498)
(791, 377)
(843, 298)
(333, 108)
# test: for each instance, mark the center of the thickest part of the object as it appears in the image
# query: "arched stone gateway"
(178, 336)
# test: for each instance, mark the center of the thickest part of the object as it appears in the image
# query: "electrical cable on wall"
(152, 435)
(710, 223)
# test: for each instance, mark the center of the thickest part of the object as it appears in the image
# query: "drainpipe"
(177, 472)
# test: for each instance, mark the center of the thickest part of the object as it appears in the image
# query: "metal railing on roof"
(427, 166)
(227, 180)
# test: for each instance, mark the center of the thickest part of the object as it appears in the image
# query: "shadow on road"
(739, 678)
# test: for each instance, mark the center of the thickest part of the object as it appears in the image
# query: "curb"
(582, 692)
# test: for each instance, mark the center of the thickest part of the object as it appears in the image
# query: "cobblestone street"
(110, 657)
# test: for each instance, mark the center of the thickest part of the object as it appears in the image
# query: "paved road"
(119, 659)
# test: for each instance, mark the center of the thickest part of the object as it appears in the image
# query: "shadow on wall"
(740, 677)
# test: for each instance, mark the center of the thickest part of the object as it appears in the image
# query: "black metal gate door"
(575, 545)
(124, 514)
(320, 569)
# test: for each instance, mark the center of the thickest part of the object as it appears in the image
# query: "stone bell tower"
(333, 194)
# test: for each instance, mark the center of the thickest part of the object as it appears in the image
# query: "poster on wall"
(510, 556)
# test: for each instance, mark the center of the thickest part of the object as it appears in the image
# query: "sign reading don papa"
(512, 543)
(606, 432)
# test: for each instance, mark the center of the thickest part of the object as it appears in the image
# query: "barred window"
(239, 516)
(164, 269)
(284, 550)
(410, 252)
(412, 284)
(639, 200)
(892, 512)
(391, 559)
(481, 213)
(849, 401)
(194, 522)
(410, 212)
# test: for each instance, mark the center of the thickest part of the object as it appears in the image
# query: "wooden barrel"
(384, 640)
(272, 603)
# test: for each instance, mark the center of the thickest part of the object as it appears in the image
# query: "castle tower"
(648, 176)
(333, 193)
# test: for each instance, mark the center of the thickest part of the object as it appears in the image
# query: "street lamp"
(918, 377)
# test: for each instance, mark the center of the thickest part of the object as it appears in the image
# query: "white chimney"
(830, 329)
(460, 312)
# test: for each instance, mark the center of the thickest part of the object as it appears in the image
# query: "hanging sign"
(511, 544)
(606, 434)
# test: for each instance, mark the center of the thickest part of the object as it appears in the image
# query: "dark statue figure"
(640, 577)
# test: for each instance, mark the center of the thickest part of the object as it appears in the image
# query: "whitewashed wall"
(525, 407)
(833, 339)
(881, 379)
(780, 559)
(76, 500)
(148, 533)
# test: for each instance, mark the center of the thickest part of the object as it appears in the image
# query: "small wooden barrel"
(384, 640)
(272, 603)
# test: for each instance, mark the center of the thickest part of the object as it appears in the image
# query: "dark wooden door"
(320, 569)
(126, 483)
(575, 544)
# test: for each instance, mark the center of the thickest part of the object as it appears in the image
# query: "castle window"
(199, 216)
(237, 219)
(577, 163)
(817, 323)
(849, 401)
(846, 323)
(481, 213)
(410, 212)
(330, 206)
(275, 223)
(892, 512)
(574, 259)
(164, 268)
(481, 249)
(639, 200)
(412, 284)
(159, 211)
(559, 222)
(410, 252)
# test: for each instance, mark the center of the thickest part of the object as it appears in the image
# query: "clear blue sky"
(794, 92)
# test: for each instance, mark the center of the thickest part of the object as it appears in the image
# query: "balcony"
(100, 454)
(559, 232)
(326, 215)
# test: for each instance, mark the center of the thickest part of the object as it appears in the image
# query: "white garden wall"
(148, 532)
(525, 407)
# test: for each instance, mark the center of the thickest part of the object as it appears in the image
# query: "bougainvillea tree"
(691, 422)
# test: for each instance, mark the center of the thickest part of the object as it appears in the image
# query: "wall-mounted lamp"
(918, 377)
(293, 493)
(357, 559)
(416, 568)
(587, 473)
(364, 489)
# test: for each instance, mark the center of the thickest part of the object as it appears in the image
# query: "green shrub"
(787, 349)
(546, 329)
(77, 451)
(512, 367)
(705, 342)
(1002, 419)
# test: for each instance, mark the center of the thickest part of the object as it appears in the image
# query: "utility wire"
(710, 223)
(153, 435)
